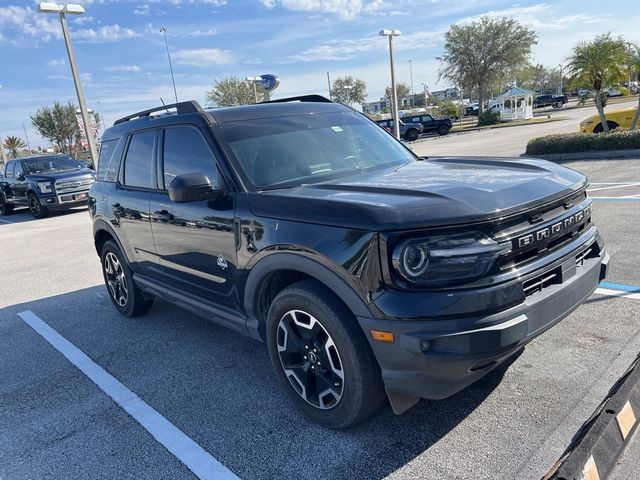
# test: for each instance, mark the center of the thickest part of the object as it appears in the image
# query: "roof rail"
(302, 98)
(183, 107)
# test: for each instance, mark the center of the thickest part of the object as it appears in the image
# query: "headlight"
(444, 259)
(45, 187)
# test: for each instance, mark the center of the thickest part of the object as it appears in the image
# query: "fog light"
(425, 345)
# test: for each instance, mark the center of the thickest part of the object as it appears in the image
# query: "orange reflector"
(381, 336)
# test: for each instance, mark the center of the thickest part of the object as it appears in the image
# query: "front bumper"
(436, 358)
(61, 201)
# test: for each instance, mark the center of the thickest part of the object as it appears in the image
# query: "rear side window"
(137, 164)
(186, 151)
(106, 152)
(18, 170)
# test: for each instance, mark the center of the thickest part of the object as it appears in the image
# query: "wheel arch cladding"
(102, 233)
(279, 270)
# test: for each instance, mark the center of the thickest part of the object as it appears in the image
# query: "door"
(129, 202)
(19, 185)
(195, 241)
(7, 182)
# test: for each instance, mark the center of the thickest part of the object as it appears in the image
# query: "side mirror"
(192, 187)
(20, 177)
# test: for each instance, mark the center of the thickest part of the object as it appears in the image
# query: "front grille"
(73, 185)
(543, 233)
(555, 276)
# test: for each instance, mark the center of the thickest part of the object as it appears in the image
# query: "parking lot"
(218, 389)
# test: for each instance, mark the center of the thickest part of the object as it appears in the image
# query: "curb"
(596, 447)
(592, 155)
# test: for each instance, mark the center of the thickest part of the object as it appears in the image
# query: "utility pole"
(329, 84)
(411, 75)
(2, 154)
(27, 138)
(394, 95)
(74, 9)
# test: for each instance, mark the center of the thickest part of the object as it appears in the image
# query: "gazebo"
(514, 104)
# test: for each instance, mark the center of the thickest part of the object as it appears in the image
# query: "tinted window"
(137, 165)
(185, 151)
(106, 152)
(18, 170)
(58, 163)
(8, 170)
(299, 149)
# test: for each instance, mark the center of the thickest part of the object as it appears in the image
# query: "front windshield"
(311, 148)
(49, 164)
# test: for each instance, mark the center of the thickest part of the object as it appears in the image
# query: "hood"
(53, 176)
(429, 193)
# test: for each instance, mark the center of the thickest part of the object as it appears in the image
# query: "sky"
(123, 62)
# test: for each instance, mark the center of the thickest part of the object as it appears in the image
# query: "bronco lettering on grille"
(566, 224)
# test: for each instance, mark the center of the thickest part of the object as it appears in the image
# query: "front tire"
(123, 292)
(321, 356)
(36, 208)
(5, 208)
(443, 130)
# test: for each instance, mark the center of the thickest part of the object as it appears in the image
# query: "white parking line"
(199, 461)
(618, 293)
(625, 185)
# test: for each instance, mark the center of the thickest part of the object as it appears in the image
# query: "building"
(446, 94)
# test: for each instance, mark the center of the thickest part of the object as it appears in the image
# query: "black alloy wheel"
(4, 208)
(310, 359)
(443, 130)
(411, 135)
(125, 295)
(321, 356)
(36, 209)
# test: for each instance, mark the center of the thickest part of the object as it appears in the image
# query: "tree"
(483, 52)
(58, 124)
(348, 90)
(402, 89)
(14, 145)
(232, 91)
(634, 66)
(601, 62)
(536, 77)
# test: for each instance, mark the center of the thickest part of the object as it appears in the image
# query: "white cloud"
(123, 69)
(26, 21)
(142, 10)
(345, 9)
(203, 57)
(83, 19)
(56, 62)
(106, 33)
(202, 33)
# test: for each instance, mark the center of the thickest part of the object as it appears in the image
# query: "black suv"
(44, 183)
(369, 272)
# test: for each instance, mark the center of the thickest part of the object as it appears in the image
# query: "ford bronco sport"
(368, 271)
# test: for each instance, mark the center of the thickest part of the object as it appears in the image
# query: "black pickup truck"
(368, 271)
(555, 101)
(43, 184)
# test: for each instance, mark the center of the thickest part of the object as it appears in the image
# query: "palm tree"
(634, 65)
(601, 62)
(14, 145)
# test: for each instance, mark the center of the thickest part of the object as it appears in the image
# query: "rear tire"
(121, 288)
(35, 207)
(322, 357)
(599, 129)
(5, 208)
(411, 135)
(443, 130)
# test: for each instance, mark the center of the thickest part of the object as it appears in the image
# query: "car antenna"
(164, 104)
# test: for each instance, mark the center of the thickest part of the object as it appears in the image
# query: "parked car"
(410, 131)
(44, 184)
(617, 118)
(431, 124)
(472, 109)
(368, 271)
(555, 101)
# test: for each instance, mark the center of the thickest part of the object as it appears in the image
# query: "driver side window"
(186, 151)
(18, 170)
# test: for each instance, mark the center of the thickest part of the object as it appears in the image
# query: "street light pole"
(62, 10)
(254, 81)
(394, 96)
(560, 67)
(411, 75)
(173, 80)
(348, 89)
(26, 138)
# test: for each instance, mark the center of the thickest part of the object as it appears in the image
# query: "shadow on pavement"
(218, 388)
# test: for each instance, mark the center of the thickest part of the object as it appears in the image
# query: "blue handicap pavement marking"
(620, 286)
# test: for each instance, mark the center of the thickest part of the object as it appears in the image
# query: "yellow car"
(615, 119)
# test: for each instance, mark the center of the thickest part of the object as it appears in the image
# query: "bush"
(488, 117)
(619, 139)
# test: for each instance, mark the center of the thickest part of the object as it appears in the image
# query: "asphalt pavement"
(216, 387)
